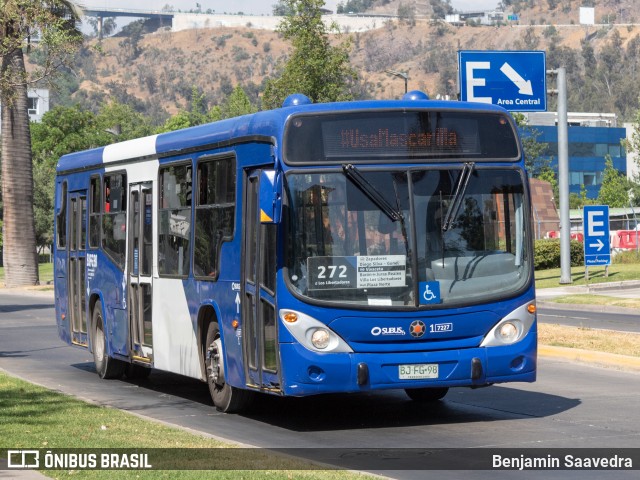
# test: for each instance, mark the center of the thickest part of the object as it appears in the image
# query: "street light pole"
(563, 176)
(404, 75)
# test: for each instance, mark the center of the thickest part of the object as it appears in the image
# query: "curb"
(622, 362)
(613, 285)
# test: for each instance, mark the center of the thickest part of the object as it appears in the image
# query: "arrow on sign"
(237, 303)
(523, 85)
(598, 244)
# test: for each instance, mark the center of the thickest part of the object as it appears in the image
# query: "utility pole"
(563, 175)
(404, 75)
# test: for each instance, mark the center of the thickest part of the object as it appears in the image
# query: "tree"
(55, 20)
(280, 9)
(407, 13)
(124, 120)
(441, 9)
(534, 160)
(131, 43)
(549, 175)
(316, 68)
(354, 6)
(236, 104)
(614, 190)
(196, 115)
(108, 26)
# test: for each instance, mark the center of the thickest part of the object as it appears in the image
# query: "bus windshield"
(459, 229)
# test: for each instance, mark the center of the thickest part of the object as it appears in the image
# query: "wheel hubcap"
(216, 366)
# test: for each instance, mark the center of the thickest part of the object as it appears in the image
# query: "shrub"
(240, 54)
(627, 256)
(547, 254)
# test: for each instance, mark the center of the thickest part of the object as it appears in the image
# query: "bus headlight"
(320, 338)
(512, 328)
(508, 331)
(313, 334)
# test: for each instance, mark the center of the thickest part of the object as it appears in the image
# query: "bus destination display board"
(421, 134)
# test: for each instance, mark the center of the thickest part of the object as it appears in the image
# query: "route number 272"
(331, 270)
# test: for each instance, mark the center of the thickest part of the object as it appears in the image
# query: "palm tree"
(55, 21)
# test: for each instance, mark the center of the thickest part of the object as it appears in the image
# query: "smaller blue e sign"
(597, 249)
(429, 293)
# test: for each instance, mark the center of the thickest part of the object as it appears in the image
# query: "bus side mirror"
(270, 197)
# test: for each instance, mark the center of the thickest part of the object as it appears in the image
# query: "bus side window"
(114, 217)
(215, 213)
(174, 215)
(61, 221)
(95, 212)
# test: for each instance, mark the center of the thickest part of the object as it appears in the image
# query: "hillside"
(157, 72)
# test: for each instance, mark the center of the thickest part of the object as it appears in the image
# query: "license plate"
(418, 372)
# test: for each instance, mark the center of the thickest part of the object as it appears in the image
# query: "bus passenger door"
(261, 352)
(139, 265)
(77, 262)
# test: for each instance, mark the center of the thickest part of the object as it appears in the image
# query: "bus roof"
(265, 126)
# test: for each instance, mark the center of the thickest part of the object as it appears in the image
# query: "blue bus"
(314, 248)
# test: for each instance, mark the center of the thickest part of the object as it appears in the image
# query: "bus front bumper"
(309, 373)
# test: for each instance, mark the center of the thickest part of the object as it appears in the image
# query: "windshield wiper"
(458, 196)
(394, 214)
(352, 173)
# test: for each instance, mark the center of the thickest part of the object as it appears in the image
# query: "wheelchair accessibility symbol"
(429, 292)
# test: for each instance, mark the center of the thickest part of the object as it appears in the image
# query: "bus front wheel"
(106, 366)
(426, 394)
(226, 398)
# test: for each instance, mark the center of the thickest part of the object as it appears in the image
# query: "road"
(570, 406)
(624, 322)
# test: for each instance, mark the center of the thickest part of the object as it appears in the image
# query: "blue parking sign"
(597, 248)
(515, 80)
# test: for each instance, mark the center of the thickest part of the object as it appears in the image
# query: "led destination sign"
(378, 135)
(355, 139)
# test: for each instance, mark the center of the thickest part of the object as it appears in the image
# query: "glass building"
(589, 145)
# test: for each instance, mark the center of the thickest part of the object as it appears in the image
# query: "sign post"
(597, 248)
(515, 80)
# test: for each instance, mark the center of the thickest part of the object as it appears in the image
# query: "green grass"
(45, 270)
(33, 417)
(617, 273)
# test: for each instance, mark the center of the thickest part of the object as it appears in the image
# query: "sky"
(256, 7)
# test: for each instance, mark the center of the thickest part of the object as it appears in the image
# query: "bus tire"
(226, 398)
(106, 367)
(426, 394)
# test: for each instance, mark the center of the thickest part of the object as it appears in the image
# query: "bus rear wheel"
(106, 366)
(426, 394)
(226, 398)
